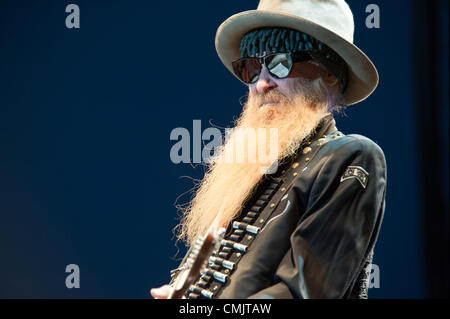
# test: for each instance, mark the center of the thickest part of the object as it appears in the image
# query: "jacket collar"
(326, 126)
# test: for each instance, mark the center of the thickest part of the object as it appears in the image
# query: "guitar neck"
(196, 258)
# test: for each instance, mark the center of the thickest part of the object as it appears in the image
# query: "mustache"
(272, 96)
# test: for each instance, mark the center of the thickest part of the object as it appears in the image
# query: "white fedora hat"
(329, 21)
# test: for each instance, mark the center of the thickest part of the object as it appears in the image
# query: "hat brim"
(363, 76)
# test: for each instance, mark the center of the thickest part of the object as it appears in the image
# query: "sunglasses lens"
(279, 64)
(247, 69)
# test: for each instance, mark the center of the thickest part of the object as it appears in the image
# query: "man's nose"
(265, 81)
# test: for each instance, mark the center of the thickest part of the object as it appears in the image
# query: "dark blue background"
(85, 119)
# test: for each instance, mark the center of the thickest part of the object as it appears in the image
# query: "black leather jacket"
(317, 239)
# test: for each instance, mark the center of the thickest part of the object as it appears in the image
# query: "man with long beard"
(302, 223)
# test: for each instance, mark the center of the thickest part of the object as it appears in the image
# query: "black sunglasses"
(279, 65)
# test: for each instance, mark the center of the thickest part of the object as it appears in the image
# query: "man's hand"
(161, 292)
